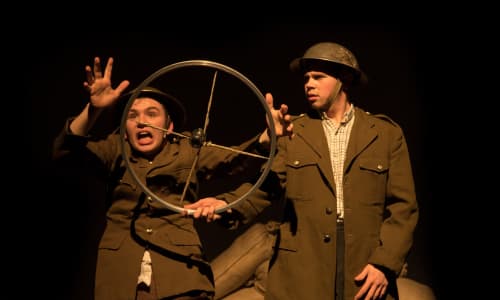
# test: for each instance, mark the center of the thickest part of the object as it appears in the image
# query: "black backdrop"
(70, 220)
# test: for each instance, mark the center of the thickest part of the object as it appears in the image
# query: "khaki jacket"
(134, 222)
(381, 210)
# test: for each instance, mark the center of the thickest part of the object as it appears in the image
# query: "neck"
(338, 107)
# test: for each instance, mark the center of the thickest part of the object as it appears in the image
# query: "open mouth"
(144, 137)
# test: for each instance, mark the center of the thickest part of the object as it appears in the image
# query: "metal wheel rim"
(220, 67)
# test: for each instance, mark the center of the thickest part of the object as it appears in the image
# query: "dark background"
(70, 220)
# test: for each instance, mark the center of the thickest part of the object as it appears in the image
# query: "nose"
(308, 86)
(308, 82)
(140, 121)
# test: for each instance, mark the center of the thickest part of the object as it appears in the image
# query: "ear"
(170, 128)
(338, 87)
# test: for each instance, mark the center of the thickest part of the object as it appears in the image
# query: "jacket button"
(329, 210)
(150, 200)
(296, 163)
(379, 167)
(149, 230)
(327, 238)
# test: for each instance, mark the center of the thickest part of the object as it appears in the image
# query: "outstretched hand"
(98, 84)
(282, 121)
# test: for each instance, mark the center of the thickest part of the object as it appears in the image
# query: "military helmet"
(173, 106)
(332, 56)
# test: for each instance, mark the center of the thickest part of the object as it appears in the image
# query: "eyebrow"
(146, 109)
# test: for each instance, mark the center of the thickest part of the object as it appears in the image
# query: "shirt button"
(150, 200)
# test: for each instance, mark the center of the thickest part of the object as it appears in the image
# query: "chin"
(144, 149)
(315, 105)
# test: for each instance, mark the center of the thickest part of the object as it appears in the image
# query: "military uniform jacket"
(380, 208)
(135, 222)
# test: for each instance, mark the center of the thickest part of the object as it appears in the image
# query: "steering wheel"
(198, 136)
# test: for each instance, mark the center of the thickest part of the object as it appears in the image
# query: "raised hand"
(281, 119)
(99, 84)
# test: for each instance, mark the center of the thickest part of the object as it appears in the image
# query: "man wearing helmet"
(342, 191)
(147, 251)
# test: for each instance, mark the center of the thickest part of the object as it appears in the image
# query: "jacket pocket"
(299, 172)
(112, 239)
(287, 241)
(378, 166)
(183, 238)
(373, 178)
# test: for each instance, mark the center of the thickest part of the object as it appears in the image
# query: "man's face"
(320, 89)
(145, 139)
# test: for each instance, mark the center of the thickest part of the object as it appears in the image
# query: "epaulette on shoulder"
(384, 118)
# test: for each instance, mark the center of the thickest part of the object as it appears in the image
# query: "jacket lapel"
(313, 134)
(362, 135)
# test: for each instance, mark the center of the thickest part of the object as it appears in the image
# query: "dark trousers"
(339, 277)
